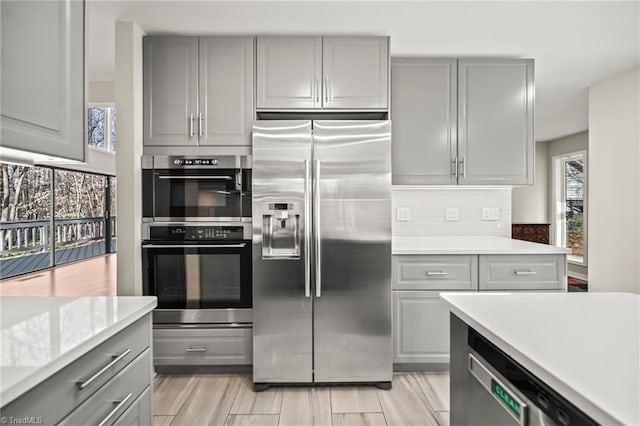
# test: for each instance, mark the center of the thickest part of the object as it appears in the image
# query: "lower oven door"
(198, 276)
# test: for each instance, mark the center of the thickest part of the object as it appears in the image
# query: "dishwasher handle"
(499, 390)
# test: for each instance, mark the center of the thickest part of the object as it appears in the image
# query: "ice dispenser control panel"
(281, 230)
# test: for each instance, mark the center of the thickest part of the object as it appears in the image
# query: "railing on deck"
(34, 235)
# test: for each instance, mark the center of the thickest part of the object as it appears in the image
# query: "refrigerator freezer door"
(352, 316)
(282, 304)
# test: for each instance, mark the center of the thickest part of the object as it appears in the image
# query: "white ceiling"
(575, 44)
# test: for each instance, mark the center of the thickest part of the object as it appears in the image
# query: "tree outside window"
(101, 127)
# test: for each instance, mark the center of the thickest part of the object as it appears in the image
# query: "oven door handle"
(195, 246)
(195, 177)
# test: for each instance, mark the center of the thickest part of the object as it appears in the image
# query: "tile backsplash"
(429, 208)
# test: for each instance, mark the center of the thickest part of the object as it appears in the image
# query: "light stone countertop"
(41, 335)
(470, 245)
(585, 346)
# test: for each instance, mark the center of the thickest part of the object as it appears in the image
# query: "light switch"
(403, 214)
(452, 214)
(490, 213)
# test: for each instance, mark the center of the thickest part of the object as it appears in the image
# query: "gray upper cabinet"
(322, 73)
(465, 121)
(198, 90)
(289, 70)
(43, 109)
(226, 90)
(423, 103)
(495, 121)
(170, 90)
(356, 72)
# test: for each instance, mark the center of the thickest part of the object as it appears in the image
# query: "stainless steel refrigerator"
(322, 252)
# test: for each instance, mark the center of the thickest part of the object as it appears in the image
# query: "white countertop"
(586, 346)
(470, 245)
(41, 335)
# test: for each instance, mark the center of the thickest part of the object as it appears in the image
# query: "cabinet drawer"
(522, 272)
(113, 399)
(139, 413)
(202, 346)
(60, 394)
(438, 272)
(420, 327)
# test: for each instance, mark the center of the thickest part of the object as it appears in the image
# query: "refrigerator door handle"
(316, 227)
(307, 230)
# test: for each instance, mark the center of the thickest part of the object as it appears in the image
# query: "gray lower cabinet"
(99, 386)
(463, 121)
(435, 272)
(523, 272)
(43, 77)
(197, 90)
(139, 413)
(297, 72)
(202, 346)
(420, 328)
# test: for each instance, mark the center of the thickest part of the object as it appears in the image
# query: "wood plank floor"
(92, 277)
(228, 399)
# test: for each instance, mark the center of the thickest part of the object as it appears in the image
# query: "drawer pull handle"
(436, 273)
(119, 404)
(116, 358)
(198, 349)
(525, 272)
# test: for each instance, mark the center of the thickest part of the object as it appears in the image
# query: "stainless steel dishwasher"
(489, 388)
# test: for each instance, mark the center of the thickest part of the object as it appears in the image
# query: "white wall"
(128, 91)
(428, 204)
(530, 203)
(614, 194)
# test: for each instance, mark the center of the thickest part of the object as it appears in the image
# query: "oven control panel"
(196, 233)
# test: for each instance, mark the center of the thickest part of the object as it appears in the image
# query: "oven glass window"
(220, 279)
(170, 280)
(180, 195)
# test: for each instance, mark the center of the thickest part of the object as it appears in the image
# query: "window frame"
(107, 126)
(559, 205)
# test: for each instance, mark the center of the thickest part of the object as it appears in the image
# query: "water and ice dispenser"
(281, 230)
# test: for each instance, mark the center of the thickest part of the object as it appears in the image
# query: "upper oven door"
(204, 276)
(197, 195)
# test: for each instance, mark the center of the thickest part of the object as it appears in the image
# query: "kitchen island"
(76, 360)
(584, 348)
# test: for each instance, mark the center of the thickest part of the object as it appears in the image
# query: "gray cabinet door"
(495, 121)
(423, 104)
(420, 327)
(289, 71)
(43, 77)
(170, 90)
(356, 72)
(226, 90)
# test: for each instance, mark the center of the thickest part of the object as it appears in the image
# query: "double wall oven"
(196, 233)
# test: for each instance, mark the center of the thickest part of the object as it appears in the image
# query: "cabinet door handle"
(464, 167)
(119, 404)
(198, 349)
(317, 89)
(524, 272)
(191, 133)
(436, 273)
(116, 358)
(201, 124)
(454, 167)
(326, 88)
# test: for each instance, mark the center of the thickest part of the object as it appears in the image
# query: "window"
(83, 223)
(570, 194)
(101, 127)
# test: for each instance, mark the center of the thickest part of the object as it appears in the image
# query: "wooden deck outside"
(95, 276)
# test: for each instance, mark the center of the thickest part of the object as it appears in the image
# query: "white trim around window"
(559, 205)
(109, 106)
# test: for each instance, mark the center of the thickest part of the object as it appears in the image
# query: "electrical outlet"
(403, 214)
(452, 214)
(490, 213)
